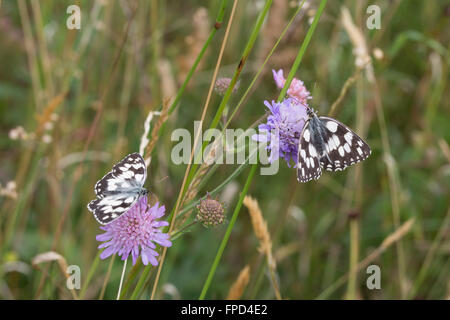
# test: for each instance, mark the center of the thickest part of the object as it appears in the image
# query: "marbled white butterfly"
(325, 143)
(119, 189)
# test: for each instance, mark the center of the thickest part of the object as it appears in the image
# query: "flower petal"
(279, 78)
(107, 252)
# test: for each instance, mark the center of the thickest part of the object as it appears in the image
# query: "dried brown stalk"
(239, 285)
(263, 235)
(202, 25)
(51, 256)
(155, 131)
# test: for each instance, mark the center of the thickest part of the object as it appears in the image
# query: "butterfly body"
(119, 189)
(326, 143)
(317, 130)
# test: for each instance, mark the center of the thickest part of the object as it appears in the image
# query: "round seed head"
(210, 212)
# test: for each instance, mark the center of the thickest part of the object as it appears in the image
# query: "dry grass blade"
(194, 41)
(193, 188)
(263, 235)
(387, 242)
(361, 52)
(273, 27)
(46, 114)
(81, 89)
(390, 240)
(154, 137)
(259, 224)
(144, 138)
(348, 83)
(168, 88)
(168, 83)
(444, 148)
(196, 140)
(238, 287)
(53, 256)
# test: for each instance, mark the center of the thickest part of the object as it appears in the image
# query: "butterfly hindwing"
(343, 146)
(104, 185)
(109, 208)
(119, 189)
(308, 167)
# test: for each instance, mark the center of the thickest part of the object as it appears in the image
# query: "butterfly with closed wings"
(326, 143)
(119, 189)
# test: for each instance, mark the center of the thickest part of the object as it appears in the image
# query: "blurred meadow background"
(74, 102)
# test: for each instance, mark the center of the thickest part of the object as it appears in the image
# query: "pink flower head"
(136, 233)
(297, 89)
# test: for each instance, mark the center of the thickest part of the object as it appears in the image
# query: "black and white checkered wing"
(119, 189)
(343, 146)
(308, 167)
(325, 143)
(132, 168)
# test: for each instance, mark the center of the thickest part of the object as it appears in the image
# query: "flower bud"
(222, 84)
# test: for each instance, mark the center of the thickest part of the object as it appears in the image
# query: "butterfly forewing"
(119, 189)
(308, 167)
(330, 143)
(108, 209)
(132, 168)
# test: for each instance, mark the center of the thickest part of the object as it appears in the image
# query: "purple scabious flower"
(136, 233)
(283, 129)
(297, 89)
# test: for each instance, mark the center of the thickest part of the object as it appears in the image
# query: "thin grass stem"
(121, 278)
(184, 184)
(225, 238)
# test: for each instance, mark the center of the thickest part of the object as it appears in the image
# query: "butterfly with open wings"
(119, 189)
(326, 143)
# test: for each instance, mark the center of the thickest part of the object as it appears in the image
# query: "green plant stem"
(227, 233)
(425, 268)
(142, 280)
(218, 22)
(354, 249)
(246, 93)
(121, 279)
(105, 281)
(177, 233)
(258, 276)
(145, 274)
(133, 274)
(91, 272)
(357, 188)
(294, 68)
(263, 65)
(302, 50)
(24, 197)
(227, 95)
(255, 78)
(221, 186)
(180, 198)
(175, 103)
